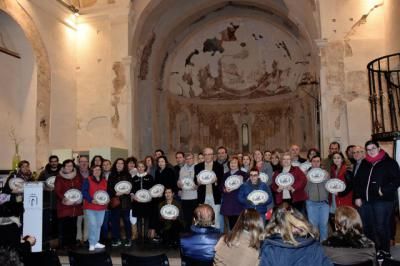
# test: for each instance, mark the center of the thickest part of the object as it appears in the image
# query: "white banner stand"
(33, 214)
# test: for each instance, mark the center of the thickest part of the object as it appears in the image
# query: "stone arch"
(19, 14)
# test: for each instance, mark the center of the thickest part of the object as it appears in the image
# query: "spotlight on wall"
(70, 7)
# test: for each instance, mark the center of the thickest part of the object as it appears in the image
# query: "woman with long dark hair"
(241, 246)
(120, 204)
(340, 171)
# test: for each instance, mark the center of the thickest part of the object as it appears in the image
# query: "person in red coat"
(294, 194)
(94, 209)
(67, 210)
(340, 171)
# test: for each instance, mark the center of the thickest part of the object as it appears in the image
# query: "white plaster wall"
(102, 42)
(350, 44)
(18, 95)
(56, 26)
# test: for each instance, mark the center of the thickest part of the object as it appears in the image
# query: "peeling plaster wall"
(352, 36)
(59, 39)
(103, 80)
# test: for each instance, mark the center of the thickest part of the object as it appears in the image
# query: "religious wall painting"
(235, 59)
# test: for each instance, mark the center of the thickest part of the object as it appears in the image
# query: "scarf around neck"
(377, 158)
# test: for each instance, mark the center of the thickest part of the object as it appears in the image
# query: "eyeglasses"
(253, 174)
(374, 148)
(354, 152)
(208, 154)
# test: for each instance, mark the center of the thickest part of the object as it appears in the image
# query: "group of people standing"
(371, 181)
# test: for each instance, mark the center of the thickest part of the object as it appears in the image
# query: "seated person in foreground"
(348, 244)
(241, 245)
(291, 240)
(199, 244)
(170, 227)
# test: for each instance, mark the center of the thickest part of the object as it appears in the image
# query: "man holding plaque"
(208, 191)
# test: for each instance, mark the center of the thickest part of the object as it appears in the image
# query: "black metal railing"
(384, 96)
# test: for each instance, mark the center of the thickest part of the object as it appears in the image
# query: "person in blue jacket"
(252, 184)
(198, 246)
(289, 239)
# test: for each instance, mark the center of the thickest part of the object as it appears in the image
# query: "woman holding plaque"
(142, 210)
(120, 203)
(255, 185)
(261, 165)
(339, 170)
(68, 208)
(231, 206)
(294, 193)
(318, 200)
(96, 184)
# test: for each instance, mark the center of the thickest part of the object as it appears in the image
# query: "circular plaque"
(296, 164)
(305, 166)
(316, 175)
(157, 191)
(258, 197)
(123, 187)
(335, 185)
(187, 183)
(169, 212)
(284, 179)
(16, 184)
(74, 195)
(50, 181)
(233, 182)
(263, 177)
(101, 197)
(143, 195)
(206, 177)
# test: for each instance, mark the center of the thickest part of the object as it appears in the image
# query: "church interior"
(126, 77)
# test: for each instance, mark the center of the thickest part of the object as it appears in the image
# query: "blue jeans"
(375, 217)
(95, 220)
(318, 215)
(116, 214)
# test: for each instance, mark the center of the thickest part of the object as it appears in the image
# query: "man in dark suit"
(210, 193)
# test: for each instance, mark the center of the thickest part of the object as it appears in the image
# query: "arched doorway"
(225, 65)
(35, 85)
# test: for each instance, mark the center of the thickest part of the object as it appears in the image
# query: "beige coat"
(239, 254)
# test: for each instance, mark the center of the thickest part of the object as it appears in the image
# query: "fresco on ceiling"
(234, 59)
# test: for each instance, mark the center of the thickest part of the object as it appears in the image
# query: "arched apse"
(163, 32)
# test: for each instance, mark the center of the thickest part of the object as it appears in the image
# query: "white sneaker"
(91, 248)
(98, 245)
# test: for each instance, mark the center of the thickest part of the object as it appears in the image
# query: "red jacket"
(344, 198)
(300, 182)
(90, 186)
(61, 185)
